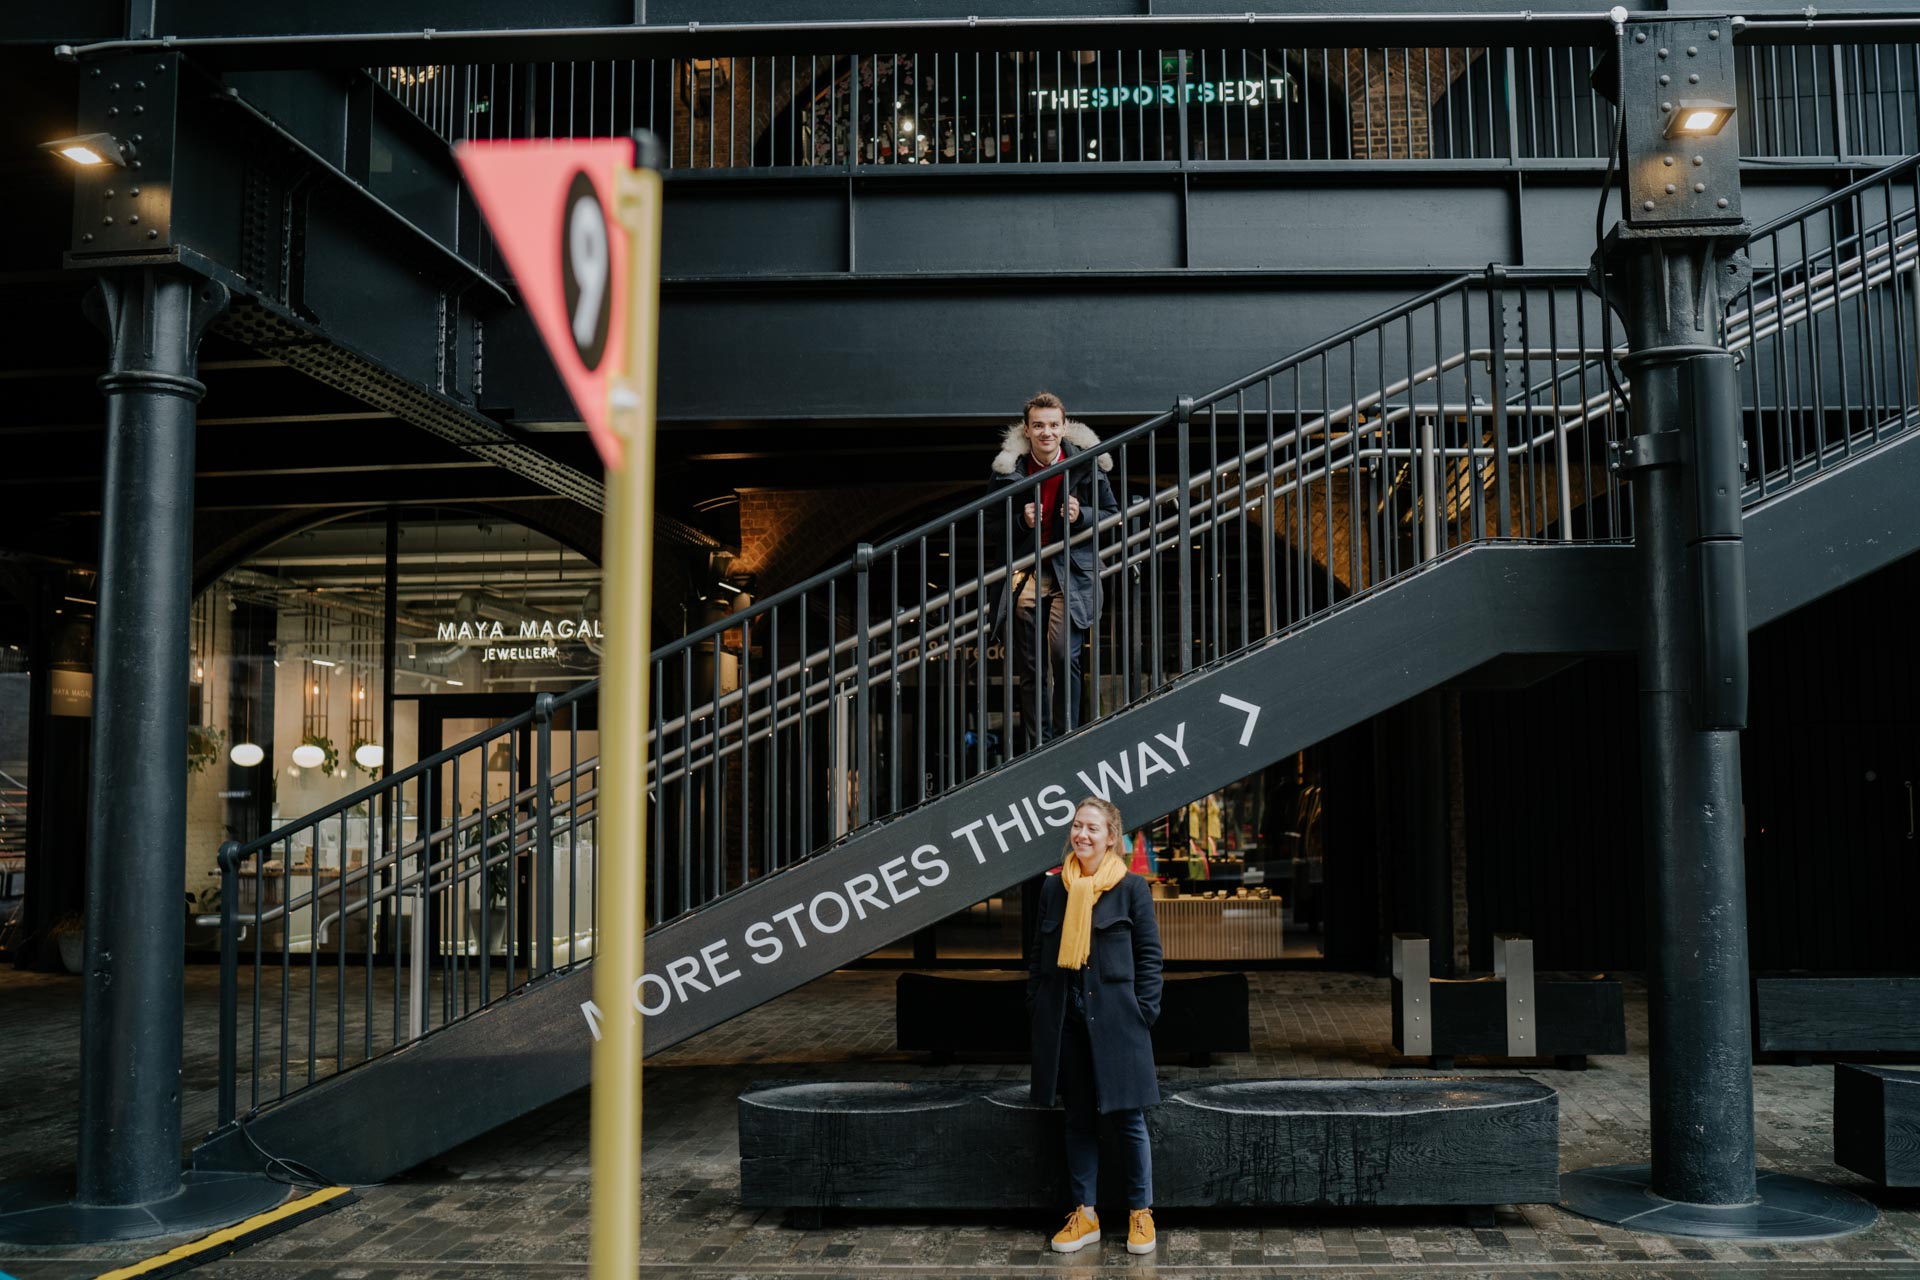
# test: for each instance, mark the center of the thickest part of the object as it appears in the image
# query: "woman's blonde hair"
(1116, 832)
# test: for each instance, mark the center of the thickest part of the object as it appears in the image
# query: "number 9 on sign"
(586, 265)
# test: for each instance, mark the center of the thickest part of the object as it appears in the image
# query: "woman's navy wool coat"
(1123, 994)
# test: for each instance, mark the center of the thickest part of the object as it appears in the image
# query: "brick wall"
(787, 534)
(750, 94)
(1389, 93)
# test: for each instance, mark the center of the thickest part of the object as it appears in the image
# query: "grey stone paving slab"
(515, 1203)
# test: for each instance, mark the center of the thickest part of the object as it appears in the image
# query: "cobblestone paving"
(515, 1203)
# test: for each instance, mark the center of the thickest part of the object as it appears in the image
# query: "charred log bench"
(1876, 1123)
(1514, 1013)
(1803, 1014)
(943, 1014)
(1253, 1144)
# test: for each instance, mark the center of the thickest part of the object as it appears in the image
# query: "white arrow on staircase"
(1252, 714)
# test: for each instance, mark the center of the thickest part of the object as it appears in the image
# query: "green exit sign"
(1170, 64)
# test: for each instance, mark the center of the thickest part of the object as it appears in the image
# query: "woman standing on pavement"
(1093, 983)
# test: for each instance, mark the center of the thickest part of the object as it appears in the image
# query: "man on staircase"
(1055, 603)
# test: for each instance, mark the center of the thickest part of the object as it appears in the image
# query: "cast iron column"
(129, 1149)
(1684, 464)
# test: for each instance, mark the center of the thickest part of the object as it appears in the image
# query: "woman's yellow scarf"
(1083, 890)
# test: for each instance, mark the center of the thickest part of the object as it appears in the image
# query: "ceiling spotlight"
(1698, 118)
(92, 149)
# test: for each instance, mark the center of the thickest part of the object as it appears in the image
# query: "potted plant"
(493, 883)
(203, 746)
(69, 934)
(330, 765)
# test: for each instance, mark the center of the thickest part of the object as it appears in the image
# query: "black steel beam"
(69, 495)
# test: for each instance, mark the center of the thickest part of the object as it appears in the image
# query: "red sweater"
(1049, 491)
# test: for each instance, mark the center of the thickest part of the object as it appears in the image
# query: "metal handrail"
(240, 851)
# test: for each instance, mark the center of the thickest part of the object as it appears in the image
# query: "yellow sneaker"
(1140, 1237)
(1082, 1229)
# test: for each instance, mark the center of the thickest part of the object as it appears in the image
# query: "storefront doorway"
(492, 784)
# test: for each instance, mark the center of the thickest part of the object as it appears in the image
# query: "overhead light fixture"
(246, 754)
(91, 149)
(308, 756)
(320, 662)
(1698, 118)
(369, 755)
(458, 684)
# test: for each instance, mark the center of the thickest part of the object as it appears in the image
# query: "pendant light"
(246, 753)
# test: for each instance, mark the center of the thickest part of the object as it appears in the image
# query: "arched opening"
(349, 649)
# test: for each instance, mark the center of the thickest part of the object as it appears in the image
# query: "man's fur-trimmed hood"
(1014, 446)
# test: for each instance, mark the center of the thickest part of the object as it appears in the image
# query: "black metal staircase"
(834, 768)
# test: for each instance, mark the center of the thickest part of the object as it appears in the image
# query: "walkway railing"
(1813, 100)
(1478, 412)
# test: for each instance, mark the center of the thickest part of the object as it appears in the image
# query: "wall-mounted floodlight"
(91, 149)
(1698, 118)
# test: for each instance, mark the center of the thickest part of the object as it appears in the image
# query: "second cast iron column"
(1684, 462)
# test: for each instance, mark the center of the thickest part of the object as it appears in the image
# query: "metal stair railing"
(1827, 331)
(1477, 412)
(427, 905)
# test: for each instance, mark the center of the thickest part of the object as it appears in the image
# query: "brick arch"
(758, 90)
(1389, 92)
(224, 539)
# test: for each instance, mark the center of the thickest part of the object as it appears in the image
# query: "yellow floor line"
(227, 1239)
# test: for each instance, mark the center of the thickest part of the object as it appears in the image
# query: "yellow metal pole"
(627, 565)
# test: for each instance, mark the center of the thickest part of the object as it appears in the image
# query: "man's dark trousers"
(1060, 673)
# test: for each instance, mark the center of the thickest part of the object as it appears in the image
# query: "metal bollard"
(1513, 964)
(1413, 967)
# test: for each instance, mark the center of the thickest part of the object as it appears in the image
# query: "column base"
(1789, 1208)
(44, 1213)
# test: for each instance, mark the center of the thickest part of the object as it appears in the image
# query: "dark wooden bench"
(1512, 1013)
(1876, 1123)
(1252, 1144)
(944, 1014)
(1802, 1013)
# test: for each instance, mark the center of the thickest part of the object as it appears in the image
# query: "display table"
(1220, 928)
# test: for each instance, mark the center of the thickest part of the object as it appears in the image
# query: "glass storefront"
(295, 705)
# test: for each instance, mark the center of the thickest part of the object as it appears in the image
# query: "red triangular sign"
(550, 206)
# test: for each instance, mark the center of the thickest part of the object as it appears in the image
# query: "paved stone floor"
(514, 1204)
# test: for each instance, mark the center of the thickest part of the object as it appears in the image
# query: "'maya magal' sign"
(1252, 93)
(528, 638)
